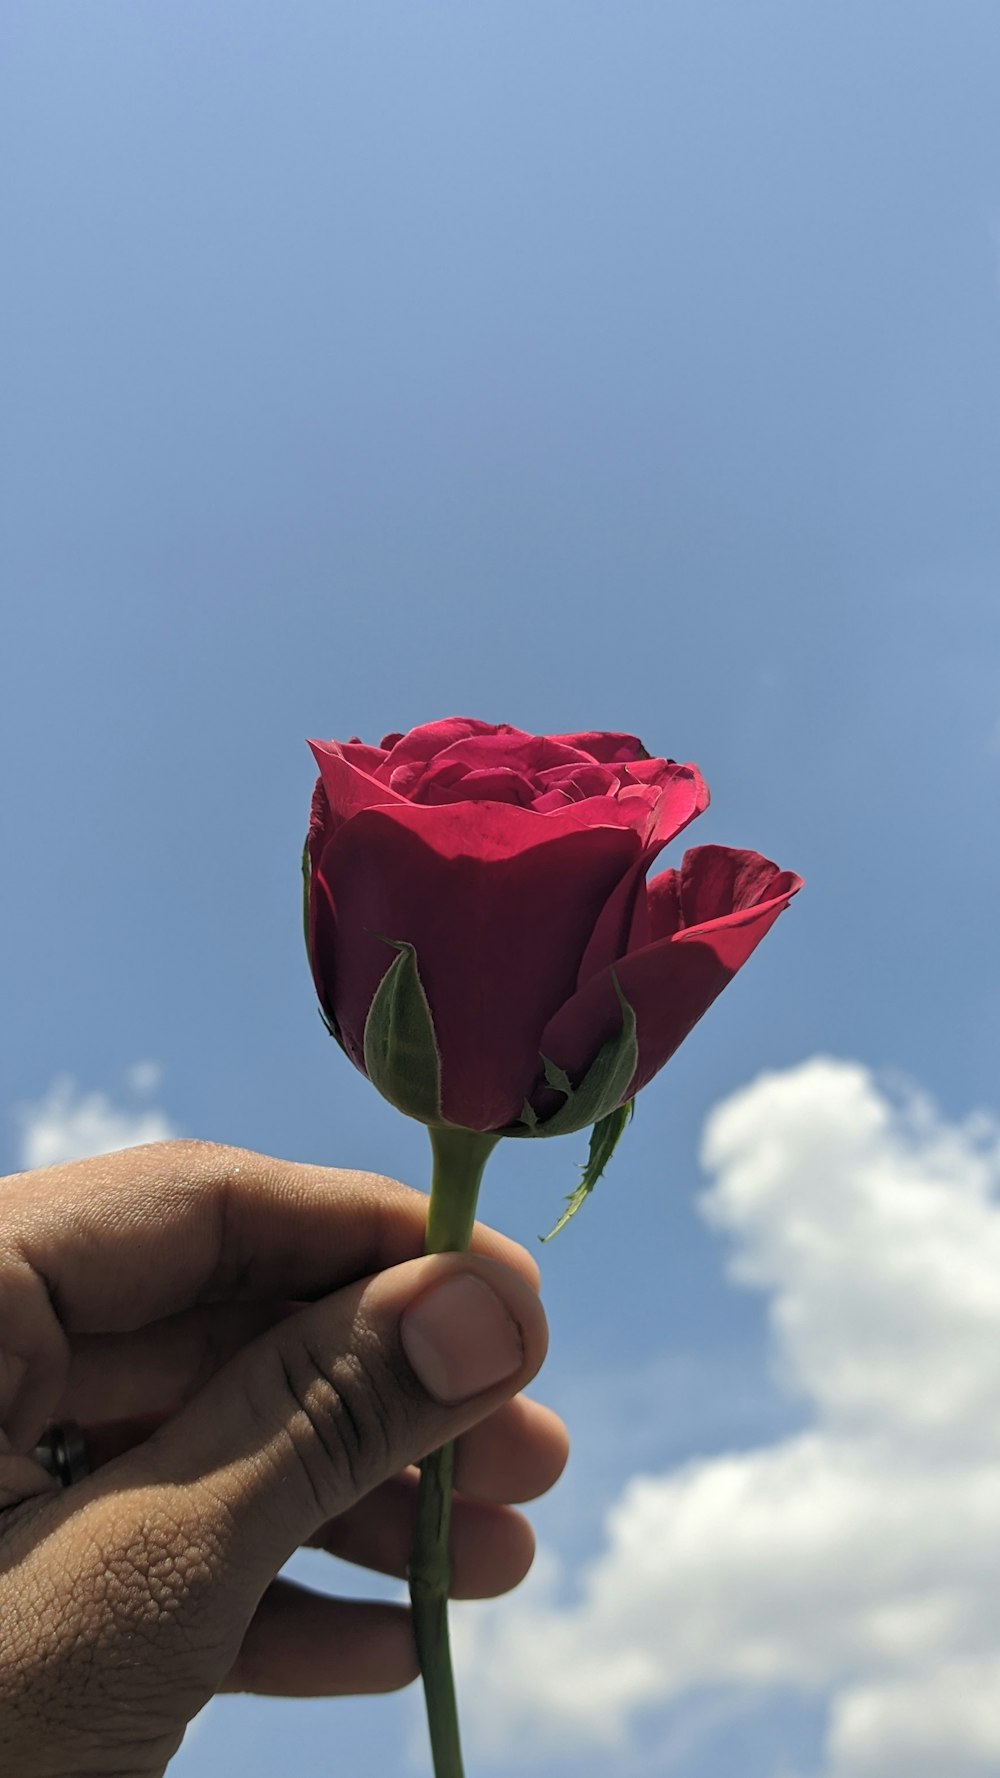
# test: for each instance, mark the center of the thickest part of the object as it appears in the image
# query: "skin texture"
(232, 1331)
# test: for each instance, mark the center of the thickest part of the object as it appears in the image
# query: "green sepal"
(557, 1078)
(604, 1139)
(401, 1054)
(602, 1087)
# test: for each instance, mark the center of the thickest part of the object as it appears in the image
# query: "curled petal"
(624, 924)
(714, 882)
(671, 982)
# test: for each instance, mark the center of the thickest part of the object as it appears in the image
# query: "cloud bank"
(69, 1124)
(857, 1562)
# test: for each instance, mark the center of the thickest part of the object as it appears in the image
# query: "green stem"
(459, 1159)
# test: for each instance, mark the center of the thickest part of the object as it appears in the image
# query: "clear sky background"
(573, 365)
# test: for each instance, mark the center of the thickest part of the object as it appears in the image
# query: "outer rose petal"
(498, 903)
(348, 787)
(357, 753)
(321, 826)
(624, 924)
(673, 981)
(608, 749)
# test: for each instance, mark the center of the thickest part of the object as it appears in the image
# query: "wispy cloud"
(68, 1123)
(857, 1560)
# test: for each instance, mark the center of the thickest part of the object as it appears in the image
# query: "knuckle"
(346, 1419)
(189, 1151)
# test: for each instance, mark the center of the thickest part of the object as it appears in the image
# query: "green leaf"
(604, 1139)
(401, 1054)
(604, 1084)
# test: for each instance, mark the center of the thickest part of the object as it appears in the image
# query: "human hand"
(258, 1354)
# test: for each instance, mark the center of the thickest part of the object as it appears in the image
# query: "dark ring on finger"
(62, 1451)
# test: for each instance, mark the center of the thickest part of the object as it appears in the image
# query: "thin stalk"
(459, 1159)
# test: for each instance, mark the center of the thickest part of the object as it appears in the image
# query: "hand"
(258, 1355)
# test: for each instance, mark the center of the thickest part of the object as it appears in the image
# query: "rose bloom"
(515, 865)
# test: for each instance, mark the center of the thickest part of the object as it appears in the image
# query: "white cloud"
(857, 1561)
(69, 1124)
(144, 1077)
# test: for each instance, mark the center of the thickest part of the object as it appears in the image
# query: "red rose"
(515, 867)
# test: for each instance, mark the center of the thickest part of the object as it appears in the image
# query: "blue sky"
(576, 366)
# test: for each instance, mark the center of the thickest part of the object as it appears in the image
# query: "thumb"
(328, 1404)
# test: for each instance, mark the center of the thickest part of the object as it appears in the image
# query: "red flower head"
(510, 870)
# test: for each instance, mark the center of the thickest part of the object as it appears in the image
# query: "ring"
(62, 1450)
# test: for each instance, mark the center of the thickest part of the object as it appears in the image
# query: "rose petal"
(321, 827)
(458, 785)
(431, 738)
(625, 923)
(527, 755)
(713, 878)
(683, 795)
(608, 749)
(553, 799)
(663, 905)
(499, 907)
(368, 759)
(349, 787)
(582, 778)
(673, 981)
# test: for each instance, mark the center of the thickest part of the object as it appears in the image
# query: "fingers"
(144, 1235)
(515, 1455)
(129, 1238)
(153, 1370)
(304, 1645)
(491, 1547)
(172, 1546)
(328, 1405)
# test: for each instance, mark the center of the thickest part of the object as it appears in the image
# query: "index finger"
(131, 1237)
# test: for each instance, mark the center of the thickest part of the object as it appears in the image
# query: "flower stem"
(459, 1159)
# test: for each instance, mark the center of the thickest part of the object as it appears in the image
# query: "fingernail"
(460, 1339)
